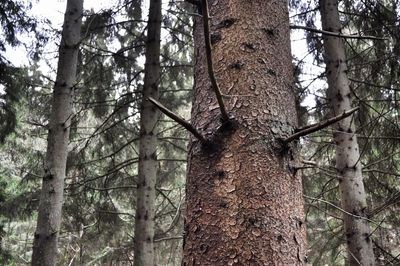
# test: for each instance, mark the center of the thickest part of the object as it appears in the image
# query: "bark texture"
(51, 197)
(148, 165)
(244, 199)
(353, 198)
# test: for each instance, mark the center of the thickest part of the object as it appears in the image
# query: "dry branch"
(180, 120)
(206, 26)
(318, 126)
(336, 34)
(340, 209)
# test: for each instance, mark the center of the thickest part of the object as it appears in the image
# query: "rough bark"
(244, 198)
(353, 198)
(51, 197)
(148, 165)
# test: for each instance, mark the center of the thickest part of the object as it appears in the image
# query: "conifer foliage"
(189, 135)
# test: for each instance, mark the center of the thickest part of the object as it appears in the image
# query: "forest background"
(102, 166)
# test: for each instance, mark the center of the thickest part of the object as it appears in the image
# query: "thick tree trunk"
(353, 198)
(244, 199)
(148, 165)
(51, 197)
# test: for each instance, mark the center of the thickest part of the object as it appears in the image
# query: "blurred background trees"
(100, 187)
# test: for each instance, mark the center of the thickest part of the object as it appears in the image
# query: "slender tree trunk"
(148, 165)
(51, 197)
(244, 199)
(353, 198)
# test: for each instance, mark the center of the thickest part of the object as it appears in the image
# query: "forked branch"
(318, 126)
(180, 120)
(214, 84)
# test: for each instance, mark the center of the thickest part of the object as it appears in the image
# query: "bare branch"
(206, 26)
(393, 200)
(340, 209)
(394, 258)
(318, 126)
(168, 238)
(336, 34)
(178, 119)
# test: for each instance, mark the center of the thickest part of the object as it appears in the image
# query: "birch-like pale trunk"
(348, 166)
(148, 165)
(51, 197)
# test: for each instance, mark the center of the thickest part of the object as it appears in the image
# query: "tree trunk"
(148, 165)
(51, 197)
(244, 199)
(353, 198)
